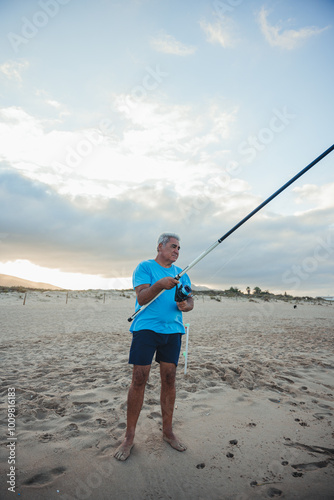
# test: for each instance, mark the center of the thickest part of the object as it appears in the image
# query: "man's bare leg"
(167, 399)
(135, 402)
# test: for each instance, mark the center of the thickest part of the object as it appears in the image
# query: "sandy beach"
(256, 407)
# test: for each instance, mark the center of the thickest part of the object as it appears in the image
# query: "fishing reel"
(182, 292)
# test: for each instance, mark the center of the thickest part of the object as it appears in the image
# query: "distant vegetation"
(23, 289)
(255, 293)
(214, 294)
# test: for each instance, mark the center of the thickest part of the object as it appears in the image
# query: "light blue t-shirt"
(162, 315)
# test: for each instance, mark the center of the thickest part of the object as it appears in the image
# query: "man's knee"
(168, 375)
(140, 375)
(169, 380)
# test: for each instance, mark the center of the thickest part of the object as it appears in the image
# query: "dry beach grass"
(255, 407)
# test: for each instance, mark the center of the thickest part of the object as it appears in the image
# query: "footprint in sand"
(81, 417)
(326, 407)
(321, 416)
(45, 438)
(311, 465)
(274, 492)
(101, 422)
(202, 409)
(154, 414)
(45, 477)
(72, 427)
(61, 411)
(152, 402)
(40, 414)
(200, 466)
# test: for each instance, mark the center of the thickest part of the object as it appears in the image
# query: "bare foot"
(174, 442)
(124, 450)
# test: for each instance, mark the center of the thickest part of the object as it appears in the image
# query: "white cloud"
(52, 102)
(221, 32)
(157, 141)
(175, 129)
(13, 69)
(109, 242)
(25, 140)
(169, 45)
(320, 196)
(288, 39)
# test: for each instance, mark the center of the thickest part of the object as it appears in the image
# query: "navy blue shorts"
(145, 343)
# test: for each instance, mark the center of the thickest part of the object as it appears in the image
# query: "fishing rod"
(234, 228)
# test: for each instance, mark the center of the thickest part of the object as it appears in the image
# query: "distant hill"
(199, 288)
(13, 281)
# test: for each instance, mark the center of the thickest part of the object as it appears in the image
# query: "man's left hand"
(184, 306)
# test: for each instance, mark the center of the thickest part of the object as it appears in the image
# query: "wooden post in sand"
(66, 297)
(104, 298)
(24, 300)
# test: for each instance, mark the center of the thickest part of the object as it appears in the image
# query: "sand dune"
(255, 407)
(13, 281)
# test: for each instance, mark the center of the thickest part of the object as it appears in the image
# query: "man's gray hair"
(165, 237)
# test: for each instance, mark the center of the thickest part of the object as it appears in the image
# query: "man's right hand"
(168, 283)
(145, 293)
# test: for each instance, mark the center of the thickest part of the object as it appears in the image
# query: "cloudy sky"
(120, 120)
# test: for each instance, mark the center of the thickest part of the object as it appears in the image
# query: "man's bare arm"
(145, 293)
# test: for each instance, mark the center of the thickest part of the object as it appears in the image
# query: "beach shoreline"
(255, 407)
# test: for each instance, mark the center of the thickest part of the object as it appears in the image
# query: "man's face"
(170, 251)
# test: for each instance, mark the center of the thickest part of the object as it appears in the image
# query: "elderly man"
(157, 329)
